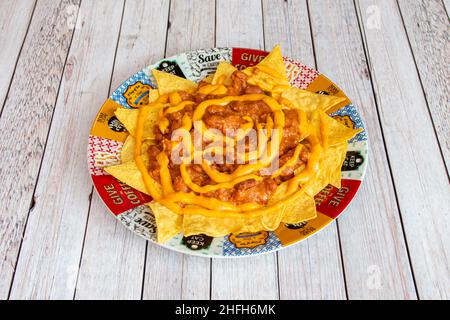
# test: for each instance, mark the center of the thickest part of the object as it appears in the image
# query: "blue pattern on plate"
(352, 112)
(272, 243)
(117, 95)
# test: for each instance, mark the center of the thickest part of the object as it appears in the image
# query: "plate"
(128, 205)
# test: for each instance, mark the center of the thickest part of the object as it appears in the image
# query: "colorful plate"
(128, 205)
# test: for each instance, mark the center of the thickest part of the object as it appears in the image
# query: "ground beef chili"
(228, 119)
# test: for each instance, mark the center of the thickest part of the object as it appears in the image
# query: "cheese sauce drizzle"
(191, 203)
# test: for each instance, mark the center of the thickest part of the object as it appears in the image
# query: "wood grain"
(112, 265)
(15, 17)
(25, 123)
(249, 278)
(447, 5)
(390, 57)
(427, 27)
(171, 275)
(48, 263)
(312, 269)
(142, 37)
(191, 26)
(418, 169)
(374, 252)
(236, 27)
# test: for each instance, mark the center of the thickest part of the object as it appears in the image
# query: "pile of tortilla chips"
(314, 105)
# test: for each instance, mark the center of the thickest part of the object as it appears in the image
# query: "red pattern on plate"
(105, 150)
(118, 196)
(299, 75)
(242, 58)
(332, 201)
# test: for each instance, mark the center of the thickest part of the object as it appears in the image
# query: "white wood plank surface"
(427, 26)
(25, 123)
(168, 274)
(373, 245)
(57, 238)
(51, 251)
(447, 5)
(257, 277)
(312, 269)
(15, 18)
(112, 265)
(418, 169)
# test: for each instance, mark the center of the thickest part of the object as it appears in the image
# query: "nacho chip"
(335, 178)
(301, 209)
(168, 223)
(129, 173)
(337, 132)
(127, 153)
(224, 71)
(270, 73)
(153, 95)
(309, 101)
(330, 162)
(221, 226)
(129, 117)
(209, 78)
(168, 82)
(274, 61)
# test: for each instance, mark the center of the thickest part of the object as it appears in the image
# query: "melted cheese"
(198, 204)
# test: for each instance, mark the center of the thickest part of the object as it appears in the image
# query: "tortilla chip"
(129, 117)
(301, 209)
(220, 226)
(209, 78)
(330, 163)
(168, 82)
(309, 101)
(129, 173)
(168, 223)
(224, 69)
(270, 72)
(127, 153)
(337, 132)
(153, 95)
(335, 179)
(274, 60)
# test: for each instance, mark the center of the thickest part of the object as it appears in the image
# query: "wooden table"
(59, 61)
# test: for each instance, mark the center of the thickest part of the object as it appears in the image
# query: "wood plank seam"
(82, 246)
(143, 271)
(92, 188)
(445, 7)
(264, 36)
(210, 263)
(17, 58)
(43, 151)
(376, 100)
(311, 33)
(265, 48)
(187, 27)
(337, 223)
(342, 259)
(210, 259)
(423, 89)
(168, 27)
(147, 242)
